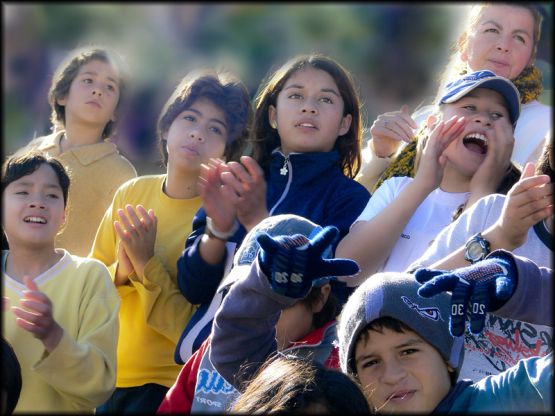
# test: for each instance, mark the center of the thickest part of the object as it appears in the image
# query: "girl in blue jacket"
(306, 143)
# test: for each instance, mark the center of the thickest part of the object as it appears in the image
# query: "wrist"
(213, 232)
(52, 340)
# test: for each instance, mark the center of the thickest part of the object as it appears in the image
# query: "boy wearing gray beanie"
(399, 345)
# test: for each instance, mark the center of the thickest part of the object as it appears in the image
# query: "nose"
(484, 119)
(503, 44)
(97, 91)
(309, 107)
(196, 135)
(37, 203)
(393, 372)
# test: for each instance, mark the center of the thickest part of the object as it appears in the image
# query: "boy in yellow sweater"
(63, 322)
(143, 233)
(85, 95)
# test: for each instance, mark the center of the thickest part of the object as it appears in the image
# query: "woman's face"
(502, 41)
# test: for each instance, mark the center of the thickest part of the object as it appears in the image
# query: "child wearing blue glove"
(280, 299)
(399, 344)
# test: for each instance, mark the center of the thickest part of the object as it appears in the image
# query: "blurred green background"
(395, 51)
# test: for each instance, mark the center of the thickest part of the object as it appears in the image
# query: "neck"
(453, 181)
(181, 184)
(30, 261)
(79, 134)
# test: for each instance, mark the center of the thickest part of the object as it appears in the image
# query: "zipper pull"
(283, 171)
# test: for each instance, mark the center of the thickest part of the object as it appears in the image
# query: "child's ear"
(318, 305)
(62, 101)
(345, 124)
(272, 116)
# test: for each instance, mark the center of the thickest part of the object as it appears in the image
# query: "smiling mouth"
(476, 142)
(307, 125)
(400, 396)
(35, 220)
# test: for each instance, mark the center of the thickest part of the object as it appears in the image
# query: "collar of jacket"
(84, 154)
(315, 337)
(306, 167)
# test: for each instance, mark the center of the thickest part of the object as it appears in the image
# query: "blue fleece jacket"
(311, 185)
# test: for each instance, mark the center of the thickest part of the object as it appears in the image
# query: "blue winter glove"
(293, 263)
(486, 285)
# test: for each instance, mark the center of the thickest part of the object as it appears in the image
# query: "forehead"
(309, 76)
(508, 15)
(99, 67)
(376, 341)
(44, 175)
(207, 108)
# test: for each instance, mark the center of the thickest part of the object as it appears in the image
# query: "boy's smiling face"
(33, 208)
(400, 372)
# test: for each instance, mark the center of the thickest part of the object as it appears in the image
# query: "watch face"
(475, 250)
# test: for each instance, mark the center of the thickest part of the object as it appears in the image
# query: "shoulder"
(142, 182)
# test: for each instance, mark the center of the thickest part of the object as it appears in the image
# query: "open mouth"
(306, 125)
(476, 142)
(400, 396)
(35, 220)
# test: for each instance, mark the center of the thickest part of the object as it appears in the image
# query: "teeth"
(306, 125)
(477, 136)
(35, 220)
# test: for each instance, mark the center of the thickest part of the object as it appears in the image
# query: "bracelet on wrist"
(220, 235)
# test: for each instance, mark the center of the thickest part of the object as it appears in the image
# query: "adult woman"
(502, 38)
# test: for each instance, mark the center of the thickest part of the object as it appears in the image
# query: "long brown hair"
(265, 139)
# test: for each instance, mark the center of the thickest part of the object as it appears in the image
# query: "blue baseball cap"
(457, 89)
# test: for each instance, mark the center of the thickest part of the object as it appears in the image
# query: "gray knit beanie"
(394, 295)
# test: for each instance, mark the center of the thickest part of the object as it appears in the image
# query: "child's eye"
(111, 87)
(87, 81)
(497, 116)
(409, 351)
(470, 107)
(295, 96)
(520, 39)
(54, 196)
(216, 130)
(22, 193)
(189, 117)
(369, 363)
(326, 100)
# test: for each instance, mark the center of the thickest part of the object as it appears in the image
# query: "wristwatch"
(220, 235)
(476, 249)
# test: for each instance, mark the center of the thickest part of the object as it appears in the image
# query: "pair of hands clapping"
(233, 191)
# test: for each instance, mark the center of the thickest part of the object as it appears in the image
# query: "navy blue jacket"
(313, 187)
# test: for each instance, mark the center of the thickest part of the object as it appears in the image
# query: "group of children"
(257, 244)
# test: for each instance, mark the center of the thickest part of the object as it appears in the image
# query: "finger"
(339, 267)
(267, 243)
(26, 315)
(451, 131)
(423, 275)
(133, 217)
(479, 303)
(324, 238)
(528, 170)
(441, 283)
(240, 172)
(229, 179)
(253, 168)
(122, 233)
(153, 218)
(459, 302)
(126, 224)
(144, 216)
(36, 306)
(504, 288)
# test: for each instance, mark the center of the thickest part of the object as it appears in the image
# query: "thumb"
(30, 283)
(528, 170)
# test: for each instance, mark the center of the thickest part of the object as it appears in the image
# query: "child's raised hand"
(493, 168)
(432, 162)
(529, 201)
(247, 180)
(137, 232)
(218, 199)
(36, 316)
(390, 129)
(293, 263)
(484, 286)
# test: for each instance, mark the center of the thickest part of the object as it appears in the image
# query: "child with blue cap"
(466, 156)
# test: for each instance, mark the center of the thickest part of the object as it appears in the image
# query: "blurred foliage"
(395, 52)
